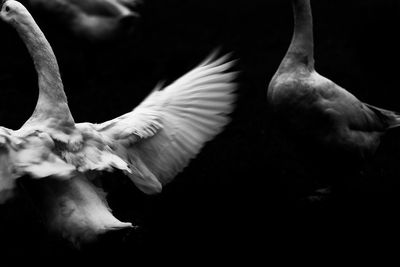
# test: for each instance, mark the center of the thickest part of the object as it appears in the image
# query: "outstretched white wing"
(169, 128)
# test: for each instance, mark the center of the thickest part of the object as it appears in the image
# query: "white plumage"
(171, 125)
(151, 144)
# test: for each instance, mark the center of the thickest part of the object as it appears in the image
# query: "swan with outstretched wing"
(151, 144)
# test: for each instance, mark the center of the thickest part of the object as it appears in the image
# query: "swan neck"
(52, 98)
(301, 49)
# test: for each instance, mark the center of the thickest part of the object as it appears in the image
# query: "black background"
(231, 202)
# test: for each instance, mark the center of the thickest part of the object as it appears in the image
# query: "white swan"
(93, 20)
(310, 108)
(151, 144)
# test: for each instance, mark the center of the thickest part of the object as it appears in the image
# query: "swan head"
(13, 11)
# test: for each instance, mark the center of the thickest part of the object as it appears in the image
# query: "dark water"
(236, 199)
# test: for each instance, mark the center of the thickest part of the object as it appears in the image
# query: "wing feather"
(174, 123)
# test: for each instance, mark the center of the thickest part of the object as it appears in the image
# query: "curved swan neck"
(52, 101)
(301, 49)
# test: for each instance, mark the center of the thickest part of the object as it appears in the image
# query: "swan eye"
(7, 8)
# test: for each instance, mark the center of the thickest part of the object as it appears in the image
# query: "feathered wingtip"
(228, 61)
(216, 57)
(225, 61)
(215, 63)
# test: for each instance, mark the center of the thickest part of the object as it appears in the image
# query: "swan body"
(93, 20)
(333, 116)
(151, 144)
(312, 108)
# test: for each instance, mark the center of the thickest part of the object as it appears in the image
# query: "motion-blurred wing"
(162, 134)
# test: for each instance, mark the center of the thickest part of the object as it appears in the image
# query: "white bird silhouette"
(151, 144)
(94, 20)
(314, 111)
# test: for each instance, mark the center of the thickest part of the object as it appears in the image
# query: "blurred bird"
(330, 125)
(151, 144)
(93, 20)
